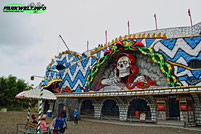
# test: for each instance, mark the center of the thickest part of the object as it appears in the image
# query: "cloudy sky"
(29, 41)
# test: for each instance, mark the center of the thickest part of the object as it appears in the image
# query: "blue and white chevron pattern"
(178, 50)
(181, 51)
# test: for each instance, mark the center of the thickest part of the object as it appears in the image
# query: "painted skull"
(123, 66)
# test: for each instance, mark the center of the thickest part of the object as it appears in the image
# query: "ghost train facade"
(155, 73)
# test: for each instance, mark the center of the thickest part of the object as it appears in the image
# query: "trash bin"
(49, 112)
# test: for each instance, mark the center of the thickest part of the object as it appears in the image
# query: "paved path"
(165, 124)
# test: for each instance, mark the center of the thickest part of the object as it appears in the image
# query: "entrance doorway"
(137, 107)
(173, 108)
(46, 106)
(60, 108)
(87, 107)
(110, 108)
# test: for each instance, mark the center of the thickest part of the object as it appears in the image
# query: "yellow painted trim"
(139, 36)
(148, 35)
(158, 35)
(120, 38)
(49, 83)
(180, 65)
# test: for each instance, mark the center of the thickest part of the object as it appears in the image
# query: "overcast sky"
(29, 41)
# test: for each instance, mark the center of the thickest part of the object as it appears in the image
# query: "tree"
(9, 88)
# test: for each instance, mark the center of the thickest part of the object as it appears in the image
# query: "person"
(75, 114)
(59, 124)
(63, 112)
(43, 124)
(34, 119)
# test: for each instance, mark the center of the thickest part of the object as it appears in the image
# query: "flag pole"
(128, 28)
(155, 21)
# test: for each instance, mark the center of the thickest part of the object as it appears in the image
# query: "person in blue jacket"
(60, 125)
(75, 114)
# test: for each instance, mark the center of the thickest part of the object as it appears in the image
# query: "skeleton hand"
(141, 79)
(111, 81)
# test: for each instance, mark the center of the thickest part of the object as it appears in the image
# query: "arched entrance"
(87, 107)
(46, 106)
(110, 108)
(137, 107)
(173, 104)
(60, 107)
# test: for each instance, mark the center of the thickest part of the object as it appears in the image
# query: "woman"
(43, 124)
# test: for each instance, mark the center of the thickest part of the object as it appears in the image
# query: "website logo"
(32, 8)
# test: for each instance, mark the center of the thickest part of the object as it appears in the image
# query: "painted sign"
(161, 107)
(137, 113)
(142, 116)
(183, 107)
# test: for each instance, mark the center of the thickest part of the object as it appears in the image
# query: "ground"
(9, 120)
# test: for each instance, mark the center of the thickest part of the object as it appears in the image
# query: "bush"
(9, 88)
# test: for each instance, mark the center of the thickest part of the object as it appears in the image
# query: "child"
(75, 117)
(34, 119)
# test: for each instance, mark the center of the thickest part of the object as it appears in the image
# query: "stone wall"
(161, 115)
(70, 103)
(188, 118)
(123, 111)
(197, 108)
(97, 111)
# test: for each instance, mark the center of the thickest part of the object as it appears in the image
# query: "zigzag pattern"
(179, 45)
(74, 76)
(180, 53)
(79, 79)
(180, 50)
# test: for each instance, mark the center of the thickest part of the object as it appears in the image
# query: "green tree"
(9, 88)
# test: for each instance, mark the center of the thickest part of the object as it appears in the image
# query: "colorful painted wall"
(71, 70)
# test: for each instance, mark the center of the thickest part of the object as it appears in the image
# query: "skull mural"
(127, 73)
(123, 66)
(126, 67)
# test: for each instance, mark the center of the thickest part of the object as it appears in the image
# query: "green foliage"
(9, 88)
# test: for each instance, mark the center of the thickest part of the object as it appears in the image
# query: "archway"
(60, 107)
(137, 107)
(87, 107)
(46, 106)
(110, 108)
(173, 108)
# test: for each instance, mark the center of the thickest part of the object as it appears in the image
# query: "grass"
(9, 121)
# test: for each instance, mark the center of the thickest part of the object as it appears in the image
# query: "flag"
(105, 32)
(128, 24)
(106, 36)
(189, 12)
(128, 28)
(155, 21)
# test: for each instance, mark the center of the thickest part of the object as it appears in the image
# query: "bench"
(29, 128)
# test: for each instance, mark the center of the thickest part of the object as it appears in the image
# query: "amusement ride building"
(156, 73)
